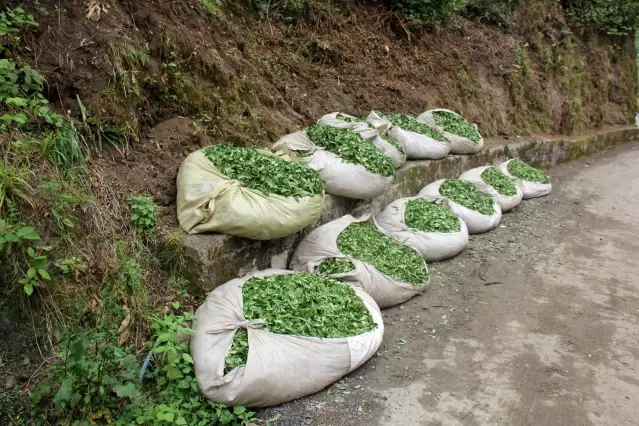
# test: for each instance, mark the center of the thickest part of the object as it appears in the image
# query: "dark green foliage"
(265, 173)
(612, 17)
(406, 122)
(457, 125)
(335, 266)
(433, 13)
(143, 213)
(351, 147)
(363, 241)
(430, 216)
(493, 12)
(499, 181)
(467, 195)
(523, 171)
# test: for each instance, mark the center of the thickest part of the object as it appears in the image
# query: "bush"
(490, 11)
(430, 12)
(612, 17)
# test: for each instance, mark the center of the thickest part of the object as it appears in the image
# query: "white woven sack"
(372, 134)
(279, 367)
(506, 202)
(416, 145)
(342, 178)
(321, 244)
(530, 189)
(433, 246)
(476, 222)
(458, 144)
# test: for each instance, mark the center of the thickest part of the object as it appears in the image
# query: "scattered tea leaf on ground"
(300, 304)
(523, 171)
(363, 241)
(407, 122)
(498, 180)
(456, 124)
(335, 266)
(351, 147)
(430, 216)
(467, 195)
(271, 175)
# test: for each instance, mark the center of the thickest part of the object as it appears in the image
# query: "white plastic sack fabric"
(321, 244)
(458, 144)
(529, 188)
(476, 222)
(342, 178)
(372, 134)
(416, 145)
(209, 201)
(279, 367)
(506, 203)
(433, 246)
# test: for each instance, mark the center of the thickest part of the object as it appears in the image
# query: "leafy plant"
(432, 13)
(612, 17)
(14, 185)
(12, 21)
(301, 304)
(143, 213)
(363, 241)
(352, 148)
(36, 272)
(467, 195)
(430, 216)
(335, 266)
(457, 125)
(63, 203)
(523, 171)
(502, 184)
(14, 234)
(494, 12)
(406, 122)
(266, 173)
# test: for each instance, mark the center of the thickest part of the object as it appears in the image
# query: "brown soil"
(250, 80)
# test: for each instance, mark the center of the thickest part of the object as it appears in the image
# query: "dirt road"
(537, 323)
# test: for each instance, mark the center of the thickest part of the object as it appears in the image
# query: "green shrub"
(433, 13)
(493, 12)
(612, 17)
(143, 213)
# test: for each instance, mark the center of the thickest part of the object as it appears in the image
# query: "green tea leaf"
(430, 216)
(523, 171)
(456, 124)
(407, 122)
(465, 194)
(498, 180)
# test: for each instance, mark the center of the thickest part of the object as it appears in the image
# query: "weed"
(14, 185)
(143, 213)
(172, 254)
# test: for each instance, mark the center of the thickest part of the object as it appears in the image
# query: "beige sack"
(530, 189)
(279, 367)
(342, 178)
(321, 244)
(208, 201)
(458, 144)
(506, 202)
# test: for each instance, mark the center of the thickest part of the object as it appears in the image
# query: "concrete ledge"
(215, 259)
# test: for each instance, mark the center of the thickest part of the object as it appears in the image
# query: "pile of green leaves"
(265, 173)
(300, 304)
(406, 122)
(523, 171)
(456, 124)
(498, 180)
(351, 147)
(383, 135)
(349, 119)
(335, 266)
(467, 195)
(430, 216)
(363, 241)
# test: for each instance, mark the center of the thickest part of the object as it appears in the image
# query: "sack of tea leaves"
(420, 141)
(352, 167)
(491, 181)
(479, 211)
(276, 335)
(247, 192)
(463, 135)
(378, 136)
(534, 182)
(356, 250)
(427, 225)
